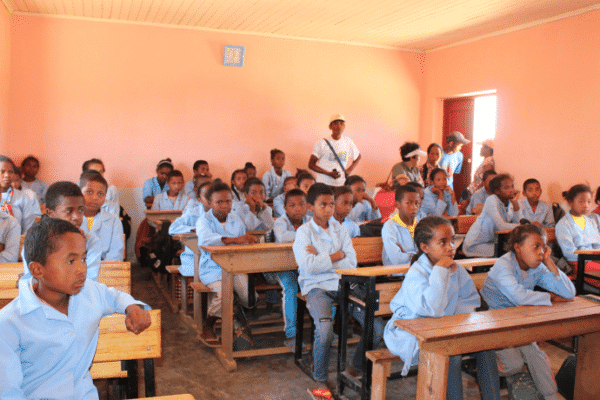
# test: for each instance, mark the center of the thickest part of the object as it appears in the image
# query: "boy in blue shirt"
(253, 211)
(478, 198)
(398, 232)
(174, 198)
(202, 169)
(532, 208)
(49, 333)
(343, 206)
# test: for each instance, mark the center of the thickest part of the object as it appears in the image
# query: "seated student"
(21, 205)
(436, 286)
(250, 170)
(398, 232)
(238, 182)
(285, 231)
(305, 180)
(343, 205)
(278, 202)
(174, 198)
(321, 247)
(255, 214)
(99, 222)
(196, 201)
(500, 212)
(420, 214)
(274, 178)
(510, 283)
(480, 196)
(111, 204)
(532, 208)
(49, 333)
(219, 226)
(158, 184)
(10, 238)
(202, 168)
(30, 168)
(187, 223)
(365, 208)
(439, 199)
(64, 200)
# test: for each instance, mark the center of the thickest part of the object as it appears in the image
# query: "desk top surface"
(588, 252)
(163, 212)
(248, 248)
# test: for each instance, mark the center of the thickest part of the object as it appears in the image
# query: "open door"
(458, 116)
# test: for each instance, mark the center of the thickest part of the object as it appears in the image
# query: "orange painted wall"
(548, 83)
(134, 94)
(4, 76)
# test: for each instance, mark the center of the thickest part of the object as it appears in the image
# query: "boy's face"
(96, 167)
(289, 185)
(220, 202)
(487, 181)
(323, 208)
(69, 208)
(94, 194)
(256, 192)
(409, 206)
(358, 188)
(305, 184)
(296, 208)
(30, 168)
(533, 192)
(202, 169)
(6, 173)
(161, 174)
(278, 161)
(65, 269)
(239, 180)
(176, 184)
(343, 206)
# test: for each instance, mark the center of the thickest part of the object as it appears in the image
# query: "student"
(202, 168)
(343, 206)
(255, 214)
(436, 286)
(480, 196)
(285, 231)
(365, 208)
(532, 208)
(411, 154)
(488, 163)
(238, 181)
(305, 181)
(99, 222)
(398, 232)
(10, 238)
(64, 200)
(420, 214)
(597, 201)
(274, 179)
(452, 158)
(219, 226)
(278, 202)
(174, 198)
(440, 199)
(30, 168)
(510, 283)
(250, 170)
(434, 156)
(500, 212)
(25, 208)
(158, 184)
(321, 247)
(111, 204)
(49, 333)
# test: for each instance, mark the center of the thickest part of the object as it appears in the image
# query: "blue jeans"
(288, 281)
(320, 305)
(487, 376)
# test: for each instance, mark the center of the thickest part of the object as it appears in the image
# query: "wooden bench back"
(464, 222)
(9, 275)
(368, 250)
(116, 274)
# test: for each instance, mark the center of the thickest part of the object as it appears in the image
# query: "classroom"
(132, 92)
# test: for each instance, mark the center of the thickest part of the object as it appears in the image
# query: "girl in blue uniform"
(158, 184)
(365, 208)
(440, 199)
(275, 177)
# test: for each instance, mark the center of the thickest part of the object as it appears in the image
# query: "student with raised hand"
(174, 198)
(99, 222)
(278, 202)
(365, 208)
(10, 238)
(49, 333)
(255, 214)
(510, 283)
(25, 208)
(200, 167)
(274, 178)
(478, 198)
(30, 167)
(398, 232)
(111, 203)
(158, 184)
(436, 286)
(440, 199)
(532, 208)
(343, 205)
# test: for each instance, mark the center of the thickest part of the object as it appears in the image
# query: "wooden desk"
(157, 216)
(440, 338)
(173, 397)
(582, 257)
(502, 239)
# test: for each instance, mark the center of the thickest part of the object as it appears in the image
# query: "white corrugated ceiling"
(405, 24)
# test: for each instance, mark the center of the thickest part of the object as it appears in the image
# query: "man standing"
(452, 159)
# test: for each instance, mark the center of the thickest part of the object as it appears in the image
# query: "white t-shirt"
(345, 149)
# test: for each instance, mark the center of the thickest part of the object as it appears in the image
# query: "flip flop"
(320, 394)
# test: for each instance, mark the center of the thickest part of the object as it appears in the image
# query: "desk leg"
(197, 303)
(580, 273)
(587, 377)
(225, 353)
(432, 379)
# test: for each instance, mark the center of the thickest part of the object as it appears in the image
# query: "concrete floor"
(187, 366)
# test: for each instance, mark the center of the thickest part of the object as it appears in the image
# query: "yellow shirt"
(90, 222)
(411, 228)
(579, 221)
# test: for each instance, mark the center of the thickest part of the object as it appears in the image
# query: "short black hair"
(408, 148)
(352, 179)
(496, 182)
(30, 158)
(487, 173)
(174, 173)
(597, 195)
(4, 159)
(200, 186)
(400, 190)
(529, 182)
(248, 165)
(290, 178)
(251, 182)
(570, 194)
(198, 163)
(304, 176)
(217, 187)
(292, 193)
(415, 185)
(274, 152)
(92, 176)
(58, 190)
(437, 171)
(341, 190)
(316, 190)
(41, 238)
(86, 164)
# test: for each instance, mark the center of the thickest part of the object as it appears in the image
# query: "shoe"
(208, 336)
(320, 392)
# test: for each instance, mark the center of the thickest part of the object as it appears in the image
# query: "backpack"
(557, 211)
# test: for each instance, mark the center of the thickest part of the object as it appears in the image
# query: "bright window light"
(484, 126)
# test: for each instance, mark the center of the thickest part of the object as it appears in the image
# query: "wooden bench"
(464, 222)
(173, 397)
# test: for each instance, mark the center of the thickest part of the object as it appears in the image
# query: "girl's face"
(251, 173)
(278, 161)
(485, 151)
(289, 185)
(220, 202)
(530, 252)
(256, 192)
(581, 204)
(30, 168)
(161, 174)
(358, 188)
(434, 155)
(507, 190)
(343, 206)
(305, 184)
(440, 180)
(6, 174)
(441, 245)
(239, 180)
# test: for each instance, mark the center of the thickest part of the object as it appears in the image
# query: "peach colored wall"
(134, 94)
(4, 76)
(548, 83)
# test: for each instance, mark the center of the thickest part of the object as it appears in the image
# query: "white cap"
(337, 117)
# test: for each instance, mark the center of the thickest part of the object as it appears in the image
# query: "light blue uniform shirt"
(162, 202)
(351, 226)
(274, 183)
(279, 206)
(109, 229)
(284, 230)
(432, 205)
(111, 204)
(363, 211)
(318, 271)
(427, 291)
(453, 163)
(45, 354)
(38, 187)
(263, 221)
(185, 224)
(152, 188)
(571, 237)
(189, 189)
(393, 234)
(543, 213)
(210, 232)
(506, 286)
(25, 207)
(10, 237)
(479, 197)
